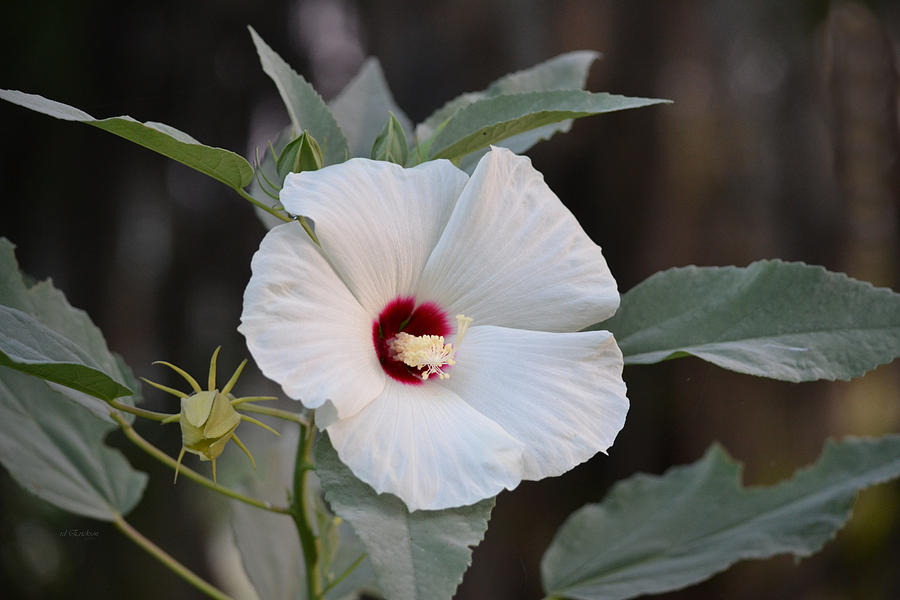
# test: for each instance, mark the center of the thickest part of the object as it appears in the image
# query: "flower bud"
(391, 145)
(301, 154)
(208, 418)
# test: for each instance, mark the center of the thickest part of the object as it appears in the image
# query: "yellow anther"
(428, 352)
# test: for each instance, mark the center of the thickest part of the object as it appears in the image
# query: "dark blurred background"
(782, 142)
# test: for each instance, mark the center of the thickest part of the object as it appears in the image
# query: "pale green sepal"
(196, 408)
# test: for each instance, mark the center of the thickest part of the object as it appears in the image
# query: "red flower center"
(402, 314)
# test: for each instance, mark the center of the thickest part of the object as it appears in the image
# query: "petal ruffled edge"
(513, 255)
(561, 394)
(428, 447)
(305, 329)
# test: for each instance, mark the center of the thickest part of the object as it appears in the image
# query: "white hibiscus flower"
(367, 329)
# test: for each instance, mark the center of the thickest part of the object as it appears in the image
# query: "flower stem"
(147, 414)
(300, 510)
(166, 559)
(274, 412)
(164, 458)
(259, 204)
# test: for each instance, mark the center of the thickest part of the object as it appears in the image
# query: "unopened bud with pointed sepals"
(209, 418)
(391, 145)
(301, 154)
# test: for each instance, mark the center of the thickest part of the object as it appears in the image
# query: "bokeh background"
(782, 142)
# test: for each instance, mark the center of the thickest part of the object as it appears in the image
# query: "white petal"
(513, 255)
(377, 222)
(561, 394)
(305, 329)
(425, 445)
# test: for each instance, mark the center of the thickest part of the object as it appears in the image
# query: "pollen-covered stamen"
(428, 352)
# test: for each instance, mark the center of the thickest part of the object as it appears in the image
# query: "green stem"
(147, 414)
(300, 510)
(259, 204)
(163, 557)
(274, 412)
(343, 575)
(164, 458)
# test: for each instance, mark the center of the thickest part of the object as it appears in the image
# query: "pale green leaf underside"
(655, 534)
(43, 335)
(420, 555)
(226, 166)
(54, 449)
(305, 106)
(491, 120)
(362, 108)
(28, 346)
(788, 321)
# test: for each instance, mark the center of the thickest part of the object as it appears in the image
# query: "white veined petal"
(305, 329)
(561, 394)
(428, 447)
(377, 222)
(513, 255)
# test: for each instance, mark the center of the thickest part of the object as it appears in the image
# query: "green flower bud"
(208, 418)
(391, 145)
(301, 154)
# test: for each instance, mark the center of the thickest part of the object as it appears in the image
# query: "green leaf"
(54, 449)
(787, 321)
(268, 543)
(43, 335)
(390, 145)
(564, 72)
(304, 104)
(226, 166)
(51, 446)
(419, 555)
(656, 534)
(30, 347)
(490, 120)
(363, 105)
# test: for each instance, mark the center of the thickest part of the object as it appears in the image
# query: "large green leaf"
(655, 534)
(268, 543)
(564, 72)
(226, 166)
(43, 335)
(787, 321)
(54, 449)
(362, 108)
(304, 104)
(419, 555)
(497, 118)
